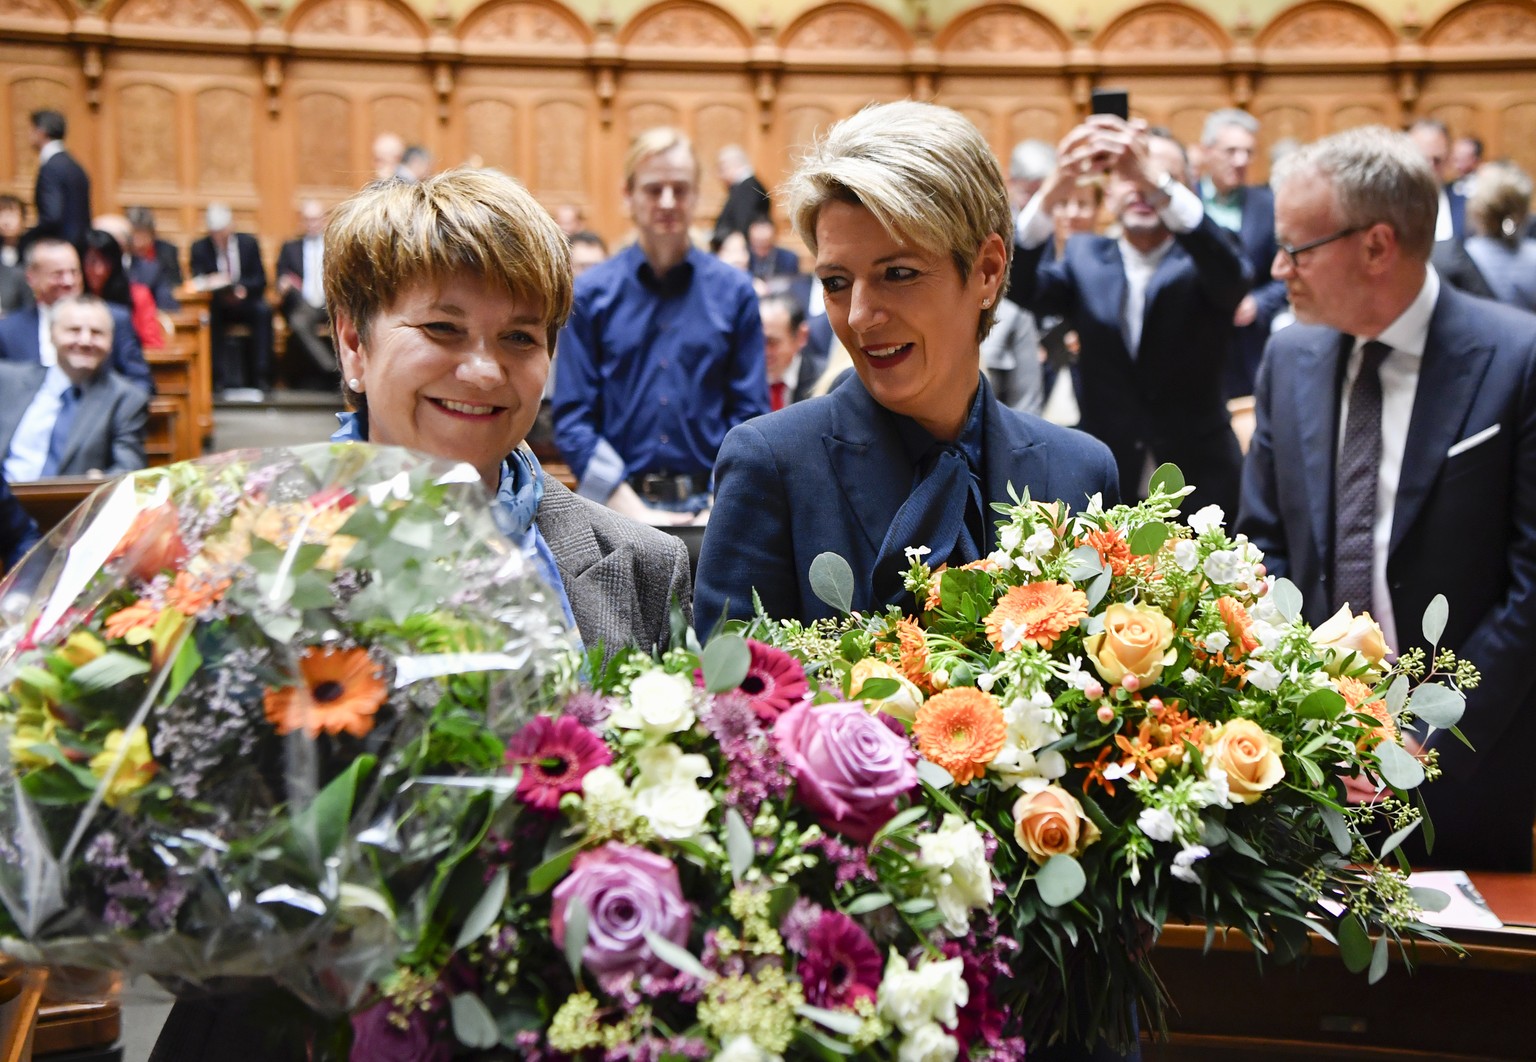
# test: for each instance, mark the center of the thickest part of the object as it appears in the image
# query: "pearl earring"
(355, 384)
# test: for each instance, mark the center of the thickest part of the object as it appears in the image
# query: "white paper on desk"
(1467, 909)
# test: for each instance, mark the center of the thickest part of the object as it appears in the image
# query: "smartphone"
(1111, 101)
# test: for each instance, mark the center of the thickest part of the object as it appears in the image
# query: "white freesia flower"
(914, 554)
(1075, 676)
(934, 992)
(1213, 790)
(1224, 567)
(1265, 676)
(1040, 543)
(605, 786)
(1209, 518)
(1032, 725)
(743, 1048)
(1186, 554)
(1156, 823)
(1183, 863)
(658, 704)
(1217, 641)
(1009, 538)
(929, 1043)
(955, 858)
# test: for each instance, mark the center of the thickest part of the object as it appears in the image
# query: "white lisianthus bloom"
(1217, 641)
(1040, 543)
(1209, 518)
(1156, 823)
(934, 992)
(603, 787)
(743, 1048)
(985, 681)
(1213, 790)
(1186, 554)
(930, 1043)
(1183, 863)
(668, 765)
(1031, 726)
(1224, 567)
(658, 704)
(666, 793)
(955, 858)
(1265, 676)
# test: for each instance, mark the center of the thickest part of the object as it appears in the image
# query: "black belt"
(669, 486)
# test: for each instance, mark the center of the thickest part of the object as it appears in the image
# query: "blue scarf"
(516, 504)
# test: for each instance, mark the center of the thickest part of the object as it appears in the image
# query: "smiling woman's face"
(456, 371)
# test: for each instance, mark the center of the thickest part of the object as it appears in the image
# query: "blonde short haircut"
(394, 235)
(1500, 202)
(925, 173)
(653, 142)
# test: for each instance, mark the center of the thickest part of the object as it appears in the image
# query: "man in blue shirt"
(663, 353)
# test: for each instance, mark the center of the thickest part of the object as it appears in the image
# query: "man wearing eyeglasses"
(1394, 458)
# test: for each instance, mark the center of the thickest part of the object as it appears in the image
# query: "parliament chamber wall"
(177, 103)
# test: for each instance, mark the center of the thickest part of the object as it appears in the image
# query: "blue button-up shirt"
(653, 371)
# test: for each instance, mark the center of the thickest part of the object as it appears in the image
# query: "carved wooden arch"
(531, 22)
(218, 16)
(1485, 23)
(684, 24)
(1002, 29)
(339, 18)
(1326, 26)
(845, 26)
(35, 12)
(1162, 29)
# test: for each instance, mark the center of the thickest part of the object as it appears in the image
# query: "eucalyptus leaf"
(1435, 616)
(1322, 704)
(1167, 478)
(1398, 767)
(679, 958)
(577, 926)
(1354, 944)
(1396, 695)
(1286, 599)
(842, 1022)
(485, 912)
(726, 661)
(1098, 588)
(816, 1044)
(1439, 706)
(1430, 899)
(916, 905)
(546, 874)
(738, 844)
(473, 1025)
(1061, 880)
(1083, 563)
(832, 581)
(106, 671)
(1333, 819)
(1148, 539)
(934, 775)
(870, 901)
(1390, 844)
(1378, 960)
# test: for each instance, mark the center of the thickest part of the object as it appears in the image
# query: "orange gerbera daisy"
(1038, 613)
(912, 653)
(341, 691)
(961, 730)
(190, 595)
(1114, 552)
(1359, 696)
(1239, 626)
(140, 615)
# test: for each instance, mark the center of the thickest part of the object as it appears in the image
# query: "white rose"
(956, 861)
(677, 811)
(744, 1049)
(935, 991)
(929, 1043)
(1156, 823)
(1208, 519)
(658, 704)
(667, 765)
(1186, 554)
(1224, 567)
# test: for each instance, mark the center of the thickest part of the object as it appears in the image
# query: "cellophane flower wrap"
(251, 704)
(1133, 714)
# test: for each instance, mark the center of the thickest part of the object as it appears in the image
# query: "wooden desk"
(193, 332)
(1477, 1006)
(49, 501)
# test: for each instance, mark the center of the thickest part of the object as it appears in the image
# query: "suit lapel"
(1166, 270)
(1316, 416)
(1106, 297)
(94, 410)
(29, 378)
(874, 489)
(1455, 361)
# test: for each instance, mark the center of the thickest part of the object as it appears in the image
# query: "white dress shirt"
(313, 288)
(1445, 227)
(1407, 336)
(29, 445)
(45, 350)
(49, 150)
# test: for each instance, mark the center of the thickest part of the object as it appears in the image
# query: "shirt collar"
(674, 281)
(1149, 258)
(55, 382)
(1210, 195)
(791, 372)
(1410, 332)
(971, 441)
(50, 149)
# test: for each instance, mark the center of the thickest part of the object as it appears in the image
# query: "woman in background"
(107, 279)
(1496, 215)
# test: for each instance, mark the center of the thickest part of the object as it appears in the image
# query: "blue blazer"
(1464, 525)
(18, 342)
(828, 475)
(1169, 399)
(18, 532)
(62, 195)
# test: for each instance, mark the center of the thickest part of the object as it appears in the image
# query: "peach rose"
(1345, 634)
(902, 704)
(1249, 756)
(1050, 822)
(1135, 641)
(153, 543)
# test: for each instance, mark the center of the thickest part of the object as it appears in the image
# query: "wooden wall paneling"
(844, 36)
(1483, 32)
(1162, 36)
(1325, 33)
(39, 76)
(534, 29)
(322, 151)
(1000, 35)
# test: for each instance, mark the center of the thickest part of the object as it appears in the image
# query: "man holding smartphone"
(1153, 307)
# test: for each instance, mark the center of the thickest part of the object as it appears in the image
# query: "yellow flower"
(136, 771)
(26, 736)
(80, 648)
(902, 704)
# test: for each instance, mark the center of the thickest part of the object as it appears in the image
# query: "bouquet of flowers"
(250, 705)
(1134, 714)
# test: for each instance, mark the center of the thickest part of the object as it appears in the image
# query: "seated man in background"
(76, 417)
(228, 264)
(153, 262)
(792, 373)
(53, 272)
(300, 280)
(767, 258)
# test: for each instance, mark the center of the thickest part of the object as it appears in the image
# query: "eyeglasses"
(1293, 252)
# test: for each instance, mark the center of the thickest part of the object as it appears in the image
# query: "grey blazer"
(620, 576)
(108, 432)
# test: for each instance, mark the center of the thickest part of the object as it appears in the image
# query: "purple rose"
(627, 891)
(849, 766)
(425, 1038)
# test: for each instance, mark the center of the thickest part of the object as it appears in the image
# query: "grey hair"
(924, 172)
(1378, 177)
(1032, 160)
(219, 217)
(1216, 121)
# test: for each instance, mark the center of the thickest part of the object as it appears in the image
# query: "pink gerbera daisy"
(775, 681)
(841, 964)
(555, 755)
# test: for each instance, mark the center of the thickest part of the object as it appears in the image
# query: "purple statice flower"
(115, 915)
(589, 709)
(731, 717)
(755, 770)
(850, 860)
(732, 965)
(213, 723)
(166, 904)
(797, 924)
(986, 955)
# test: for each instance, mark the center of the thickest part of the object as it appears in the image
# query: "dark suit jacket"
(746, 201)
(1458, 205)
(18, 531)
(1169, 397)
(1463, 525)
(781, 263)
(107, 434)
(14, 292)
(18, 342)
(62, 196)
(160, 274)
(253, 274)
(1259, 248)
(1456, 268)
(829, 475)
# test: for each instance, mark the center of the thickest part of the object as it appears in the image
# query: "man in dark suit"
(792, 374)
(1433, 140)
(154, 262)
(1228, 143)
(53, 271)
(1153, 310)
(76, 417)
(745, 198)
(765, 258)
(1394, 458)
(301, 282)
(62, 194)
(228, 264)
